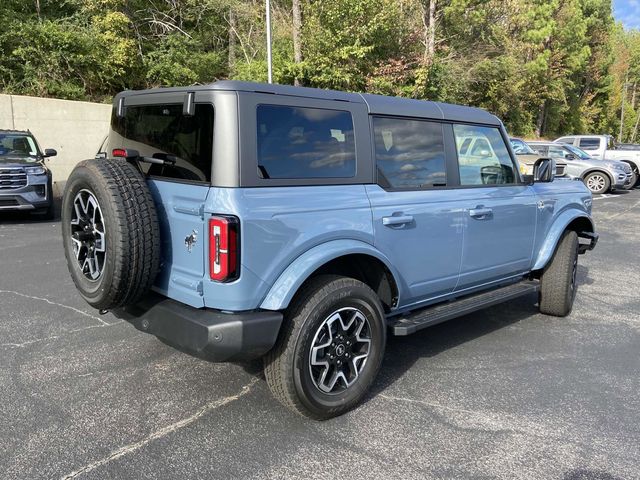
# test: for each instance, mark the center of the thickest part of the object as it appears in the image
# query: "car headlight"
(35, 170)
(616, 166)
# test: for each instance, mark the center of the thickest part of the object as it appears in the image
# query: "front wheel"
(330, 348)
(558, 281)
(597, 182)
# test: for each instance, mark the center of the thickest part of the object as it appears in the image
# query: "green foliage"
(546, 67)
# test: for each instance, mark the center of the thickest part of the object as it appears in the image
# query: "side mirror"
(570, 156)
(50, 152)
(544, 170)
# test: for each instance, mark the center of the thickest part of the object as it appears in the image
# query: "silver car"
(600, 176)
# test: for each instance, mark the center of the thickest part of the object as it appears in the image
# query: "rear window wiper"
(157, 158)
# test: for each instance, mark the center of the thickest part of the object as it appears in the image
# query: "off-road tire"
(558, 281)
(606, 184)
(132, 234)
(286, 365)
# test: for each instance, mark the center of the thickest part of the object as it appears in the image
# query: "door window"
(409, 153)
(303, 142)
(589, 143)
(483, 157)
(557, 152)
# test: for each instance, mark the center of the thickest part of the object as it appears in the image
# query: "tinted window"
(519, 147)
(565, 140)
(301, 142)
(557, 152)
(487, 160)
(17, 145)
(161, 130)
(409, 153)
(540, 149)
(579, 153)
(589, 143)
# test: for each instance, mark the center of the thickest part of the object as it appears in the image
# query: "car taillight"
(224, 248)
(119, 152)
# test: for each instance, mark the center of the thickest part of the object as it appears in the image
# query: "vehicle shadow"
(588, 474)
(403, 352)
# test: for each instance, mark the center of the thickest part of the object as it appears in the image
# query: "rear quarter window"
(304, 142)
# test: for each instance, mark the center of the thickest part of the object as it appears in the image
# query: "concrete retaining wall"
(74, 129)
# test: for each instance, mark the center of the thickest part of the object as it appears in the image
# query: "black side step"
(419, 319)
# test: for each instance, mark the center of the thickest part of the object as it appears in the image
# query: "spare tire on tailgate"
(110, 232)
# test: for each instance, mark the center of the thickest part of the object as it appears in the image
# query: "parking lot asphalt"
(504, 393)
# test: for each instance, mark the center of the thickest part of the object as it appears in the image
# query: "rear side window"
(409, 153)
(483, 157)
(161, 130)
(589, 143)
(303, 142)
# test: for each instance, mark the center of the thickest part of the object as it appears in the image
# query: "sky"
(627, 12)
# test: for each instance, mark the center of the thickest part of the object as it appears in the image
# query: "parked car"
(528, 157)
(25, 180)
(599, 176)
(240, 220)
(603, 147)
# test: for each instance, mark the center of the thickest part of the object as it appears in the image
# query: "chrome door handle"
(480, 212)
(397, 220)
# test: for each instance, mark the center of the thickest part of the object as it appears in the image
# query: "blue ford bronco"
(302, 226)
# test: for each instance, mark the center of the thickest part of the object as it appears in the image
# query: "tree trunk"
(542, 113)
(38, 8)
(429, 21)
(635, 129)
(297, 44)
(232, 40)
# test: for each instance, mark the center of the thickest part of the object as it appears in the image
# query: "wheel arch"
(598, 170)
(571, 220)
(351, 258)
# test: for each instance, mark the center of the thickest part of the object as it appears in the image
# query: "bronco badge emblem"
(190, 240)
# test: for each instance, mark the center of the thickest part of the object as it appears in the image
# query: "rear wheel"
(597, 182)
(330, 348)
(558, 282)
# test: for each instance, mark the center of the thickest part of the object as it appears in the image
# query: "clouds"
(627, 12)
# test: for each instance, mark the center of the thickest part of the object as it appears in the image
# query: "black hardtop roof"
(376, 104)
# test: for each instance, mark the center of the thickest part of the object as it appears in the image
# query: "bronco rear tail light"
(224, 248)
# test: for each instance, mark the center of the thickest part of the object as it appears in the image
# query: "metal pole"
(269, 70)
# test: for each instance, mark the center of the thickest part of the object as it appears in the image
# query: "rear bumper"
(219, 336)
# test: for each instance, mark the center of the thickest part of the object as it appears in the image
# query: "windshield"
(16, 145)
(521, 148)
(581, 154)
